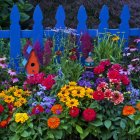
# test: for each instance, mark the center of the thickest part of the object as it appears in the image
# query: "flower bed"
(69, 100)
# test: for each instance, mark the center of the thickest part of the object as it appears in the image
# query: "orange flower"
(57, 109)
(128, 110)
(138, 106)
(53, 122)
(3, 123)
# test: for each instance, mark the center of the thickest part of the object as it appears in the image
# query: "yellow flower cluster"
(15, 96)
(21, 117)
(71, 94)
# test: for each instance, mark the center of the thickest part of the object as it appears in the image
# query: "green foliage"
(106, 48)
(24, 7)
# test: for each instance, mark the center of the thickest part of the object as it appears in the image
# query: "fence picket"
(124, 26)
(15, 46)
(104, 17)
(60, 17)
(82, 18)
(37, 32)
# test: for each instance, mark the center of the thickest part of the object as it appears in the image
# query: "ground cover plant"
(65, 100)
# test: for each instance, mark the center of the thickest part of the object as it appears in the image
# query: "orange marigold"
(57, 109)
(128, 110)
(53, 122)
(138, 106)
(3, 123)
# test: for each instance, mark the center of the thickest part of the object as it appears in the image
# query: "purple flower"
(84, 83)
(87, 75)
(48, 110)
(39, 93)
(99, 80)
(41, 87)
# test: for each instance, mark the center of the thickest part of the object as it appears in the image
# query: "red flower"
(99, 69)
(105, 63)
(108, 93)
(3, 123)
(113, 74)
(116, 67)
(89, 115)
(98, 95)
(74, 112)
(58, 52)
(1, 108)
(73, 57)
(10, 107)
(37, 109)
(125, 80)
(48, 82)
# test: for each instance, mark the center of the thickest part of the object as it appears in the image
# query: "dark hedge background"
(93, 8)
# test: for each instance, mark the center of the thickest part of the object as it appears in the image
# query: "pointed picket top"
(124, 26)
(15, 15)
(60, 17)
(37, 14)
(104, 17)
(125, 14)
(82, 18)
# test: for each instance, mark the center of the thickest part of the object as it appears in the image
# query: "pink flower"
(99, 69)
(114, 76)
(14, 80)
(117, 97)
(3, 65)
(125, 80)
(11, 72)
(108, 94)
(116, 67)
(102, 85)
(105, 63)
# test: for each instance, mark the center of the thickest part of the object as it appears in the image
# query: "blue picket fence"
(38, 33)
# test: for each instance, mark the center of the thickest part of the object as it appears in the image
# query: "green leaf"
(84, 134)
(58, 134)
(30, 125)
(97, 123)
(39, 130)
(122, 124)
(79, 129)
(25, 134)
(15, 137)
(107, 124)
(24, 17)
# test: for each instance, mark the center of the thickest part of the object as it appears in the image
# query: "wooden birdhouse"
(89, 63)
(31, 63)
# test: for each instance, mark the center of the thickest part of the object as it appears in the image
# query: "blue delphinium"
(134, 94)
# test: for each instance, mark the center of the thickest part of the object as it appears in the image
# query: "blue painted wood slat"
(82, 18)
(15, 45)
(37, 33)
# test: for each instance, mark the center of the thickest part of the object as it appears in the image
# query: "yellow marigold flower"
(64, 99)
(115, 38)
(89, 92)
(17, 104)
(12, 89)
(18, 93)
(2, 94)
(64, 88)
(60, 94)
(21, 117)
(22, 100)
(9, 99)
(74, 93)
(27, 93)
(72, 83)
(72, 102)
